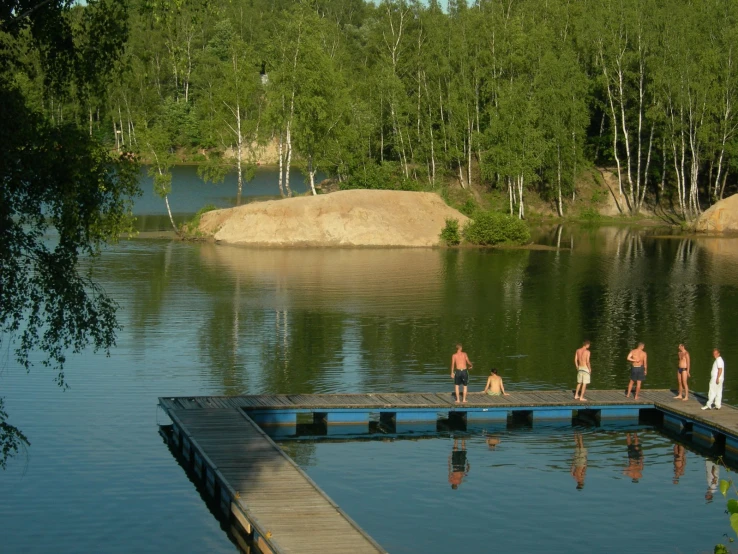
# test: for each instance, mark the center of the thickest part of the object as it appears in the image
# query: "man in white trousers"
(717, 376)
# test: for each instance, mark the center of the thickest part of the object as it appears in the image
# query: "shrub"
(469, 207)
(385, 176)
(191, 229)
(488, 228)
(450, 234)
(590, 215)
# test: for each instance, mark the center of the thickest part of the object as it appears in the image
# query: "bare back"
(637, 357)
(494, 382)
(460, 361)
(581, 358)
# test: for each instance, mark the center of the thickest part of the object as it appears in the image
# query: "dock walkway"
(262, 489)
(259, 485)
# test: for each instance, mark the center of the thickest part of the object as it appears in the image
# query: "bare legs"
(457, 394)
(578, 396)
(682, 378)
(630, 387)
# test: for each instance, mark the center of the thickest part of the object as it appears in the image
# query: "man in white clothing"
(717, 376)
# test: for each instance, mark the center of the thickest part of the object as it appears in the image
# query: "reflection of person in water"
(458, 465)
(579, 463)
(712, 473)
(635, 458)
(680, 460)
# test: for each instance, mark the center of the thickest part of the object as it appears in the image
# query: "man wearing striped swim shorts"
(584, 370)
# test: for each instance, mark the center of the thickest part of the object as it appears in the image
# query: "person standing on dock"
(717, 377)
(584, 370)
(459, 373)
(683, 372)
(639, 370)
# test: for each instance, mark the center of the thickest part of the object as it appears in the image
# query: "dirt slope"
(345, 218)
(721, 217)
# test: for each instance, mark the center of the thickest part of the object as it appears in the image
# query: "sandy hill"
(721, 217)
(345, 218)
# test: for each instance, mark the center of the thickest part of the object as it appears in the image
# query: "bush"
(469, 207)
(489, 228)
(385, 176)
(590, 215)
(451, 234)
(191, 229)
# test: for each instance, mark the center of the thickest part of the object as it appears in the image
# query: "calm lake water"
(204, 319)
(551, 488)
(190, 193)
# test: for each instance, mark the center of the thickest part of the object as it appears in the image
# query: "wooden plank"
(272, 491)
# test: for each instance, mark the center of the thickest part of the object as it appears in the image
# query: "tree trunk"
(559, 204)
(169, 211)
(281, 167)
(521, 204)
(311, 174)
(239, 161)
(289, 160)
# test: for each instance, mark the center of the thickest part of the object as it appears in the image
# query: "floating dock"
(269, 498)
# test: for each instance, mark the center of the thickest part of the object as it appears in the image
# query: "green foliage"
(57, 179)
(386, 176)
(469, 207)
(191, 229)
(450, 235)
(590, 215)
(490, 228)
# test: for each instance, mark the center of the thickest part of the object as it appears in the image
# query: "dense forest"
(516, 95)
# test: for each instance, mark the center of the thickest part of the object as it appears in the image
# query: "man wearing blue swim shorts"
(639, 370)
(459, 362)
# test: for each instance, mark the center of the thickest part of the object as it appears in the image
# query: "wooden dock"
(259, 486)
(270, 498)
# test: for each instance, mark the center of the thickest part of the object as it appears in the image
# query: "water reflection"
(458, 464)
(634, 469)
(285, 320)
(579, 461)
(531, 466)
(712, 473)
(680, 461)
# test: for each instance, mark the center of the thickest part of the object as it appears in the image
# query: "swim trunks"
(490, 393)
(681, 369)
(461, 377)
(458, 460)
(580, 457)
(583, 376)
(635, 452)
(637, 373)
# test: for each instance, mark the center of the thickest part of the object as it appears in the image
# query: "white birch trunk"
(281, 166)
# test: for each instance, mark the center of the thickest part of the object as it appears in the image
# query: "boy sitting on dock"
(494, 385)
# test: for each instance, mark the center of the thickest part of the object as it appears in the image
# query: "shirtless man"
(683, 372)
(459, 363)
(494, 385)
(584, 370)
(638, 372)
